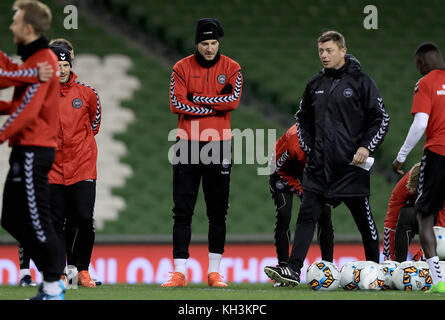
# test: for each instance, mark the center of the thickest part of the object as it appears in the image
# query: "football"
(388, 268)
(424, 271)
(368, 275)
(439, 232)
(410, 275)
(323, 275)
(347, 275)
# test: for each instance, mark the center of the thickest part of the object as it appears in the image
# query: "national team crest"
(221, 78)
(77, 103)
(279, 184)
(348, 92)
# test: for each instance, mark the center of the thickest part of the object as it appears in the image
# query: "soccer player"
(32, 129)
(428, 110)
(204, 88)
(11, 74)
(73, 175)
(400, 225)
(341, 121)
(284, 182)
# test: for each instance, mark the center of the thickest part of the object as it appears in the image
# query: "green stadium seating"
(275, 43)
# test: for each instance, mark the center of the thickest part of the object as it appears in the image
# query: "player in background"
(287, 167)
(74, 172)
(204, 88)
(400, 225)
(341, 120)
(428, 110)
(32, 129)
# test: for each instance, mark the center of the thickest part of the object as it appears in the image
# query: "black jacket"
(340, 111)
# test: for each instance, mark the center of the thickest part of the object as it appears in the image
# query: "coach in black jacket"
(341, 121)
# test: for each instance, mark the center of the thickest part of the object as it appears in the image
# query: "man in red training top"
(204, 88)
(12, 74)
(73, 175)
(401, 224)
(32, 129)
(428, 110)
(284, 182)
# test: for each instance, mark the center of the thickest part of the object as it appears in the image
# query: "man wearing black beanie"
(204, 88)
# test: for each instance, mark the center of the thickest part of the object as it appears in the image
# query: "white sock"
(435, 273)
(214, 262)
(180, 265)
(52, 287)
(71, 267)
(24, 272)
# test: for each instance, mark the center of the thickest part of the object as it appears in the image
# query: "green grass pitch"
(239, 291)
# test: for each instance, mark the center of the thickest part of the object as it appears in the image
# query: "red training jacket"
(33, 115)
(80, 117)
(399, 198)
(290, 159)
(209, 109)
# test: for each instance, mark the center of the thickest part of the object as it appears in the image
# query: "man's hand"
(228, 88)
(360, 156)
(45, 71)
(397, 167)
(190, 97)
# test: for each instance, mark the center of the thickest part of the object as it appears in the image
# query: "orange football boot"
(177, 279)
(214, 280)
(85, 280)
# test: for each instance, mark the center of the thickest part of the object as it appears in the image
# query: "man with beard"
(204, 88)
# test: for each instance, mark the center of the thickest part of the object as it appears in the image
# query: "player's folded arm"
(229, 97)
(179, 103)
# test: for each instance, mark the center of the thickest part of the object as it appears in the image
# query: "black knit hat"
(62, 54)
(208, 28)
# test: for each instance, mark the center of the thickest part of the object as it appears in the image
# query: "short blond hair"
(37, 14)
(335, 36)
(413, 178)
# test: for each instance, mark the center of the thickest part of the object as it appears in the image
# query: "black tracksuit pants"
(26, 212)
(310, 211)
(407, 227)
(283, 215)
(73, 209)
(188, 174)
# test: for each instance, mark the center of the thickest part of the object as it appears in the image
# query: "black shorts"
(431, 189)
